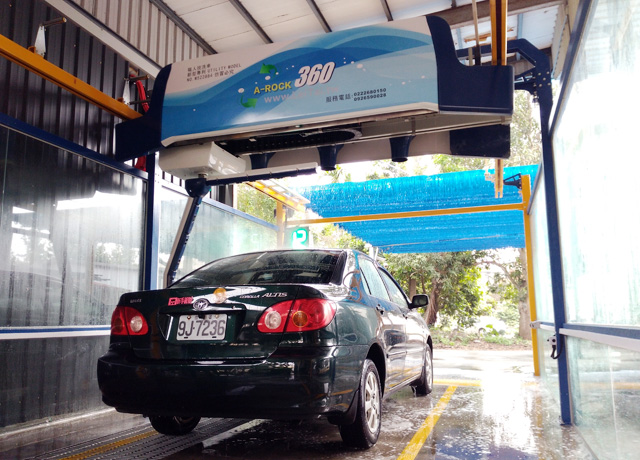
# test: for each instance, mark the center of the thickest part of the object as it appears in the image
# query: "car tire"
(364, 431)
(425, 384)
(173, 425)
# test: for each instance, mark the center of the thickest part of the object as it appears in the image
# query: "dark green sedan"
(289, 334)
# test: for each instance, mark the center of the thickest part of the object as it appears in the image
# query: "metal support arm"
(197, 189)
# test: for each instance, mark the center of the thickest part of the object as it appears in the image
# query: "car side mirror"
(419, 300)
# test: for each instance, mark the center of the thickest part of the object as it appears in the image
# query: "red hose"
(141, 162)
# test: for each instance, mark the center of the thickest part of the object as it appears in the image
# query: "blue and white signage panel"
(342, 75)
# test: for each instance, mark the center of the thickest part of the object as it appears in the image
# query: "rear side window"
(278, 267)
(373, 282)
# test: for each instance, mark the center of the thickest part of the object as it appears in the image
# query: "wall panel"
(594, 145)
(71, 240)
(33, 100)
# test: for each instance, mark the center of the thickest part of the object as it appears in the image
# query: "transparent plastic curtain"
(216, 233)
(596, 155)
(541, 260)
(70, 245)
(71, 232)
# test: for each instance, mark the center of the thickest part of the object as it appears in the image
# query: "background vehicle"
(277, 334)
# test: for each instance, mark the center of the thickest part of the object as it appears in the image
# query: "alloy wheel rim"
(372, 402)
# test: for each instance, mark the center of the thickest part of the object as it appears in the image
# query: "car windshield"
(298, 267)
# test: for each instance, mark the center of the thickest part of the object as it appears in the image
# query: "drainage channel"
(142, 442)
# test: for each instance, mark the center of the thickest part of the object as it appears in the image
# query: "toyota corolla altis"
(288, 334)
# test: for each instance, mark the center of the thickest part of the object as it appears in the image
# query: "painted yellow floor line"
(111, 446)
(411, 451)
(480, 383)
(459, 383)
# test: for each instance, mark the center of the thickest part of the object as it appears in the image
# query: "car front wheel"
(173, 425)
(425, 384)
(364, 431)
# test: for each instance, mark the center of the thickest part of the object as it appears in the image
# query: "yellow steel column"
(280, 222)
(526, 196)
(498, 32)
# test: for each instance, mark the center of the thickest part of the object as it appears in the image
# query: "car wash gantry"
(386, 91)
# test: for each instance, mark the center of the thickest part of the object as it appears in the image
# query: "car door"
(391, 320)
(416, 336)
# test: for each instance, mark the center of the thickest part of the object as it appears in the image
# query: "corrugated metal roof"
(224, 26)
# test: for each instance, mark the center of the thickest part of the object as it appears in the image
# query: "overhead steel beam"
(186, 28)
(254, 24)
(40, 66)
(387, 11)
(101, 32)
(319, 15)
(408, 214)
(463, 15)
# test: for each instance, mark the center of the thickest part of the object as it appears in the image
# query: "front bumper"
(291, 384)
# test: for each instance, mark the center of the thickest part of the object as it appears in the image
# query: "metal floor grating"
(141, 442)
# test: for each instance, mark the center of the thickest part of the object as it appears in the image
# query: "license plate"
(208, 327)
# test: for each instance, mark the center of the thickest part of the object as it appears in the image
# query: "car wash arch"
(443, 107)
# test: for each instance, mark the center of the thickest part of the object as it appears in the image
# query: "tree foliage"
(256, 203)
(526, 147)
(526, 143)
(450, 279)
(332, 236)
(338, 175)
(509, 284)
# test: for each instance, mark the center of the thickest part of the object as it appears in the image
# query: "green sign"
(300, 238)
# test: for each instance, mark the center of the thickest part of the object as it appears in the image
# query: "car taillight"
(311, 314)
(275, 317)
(128, 321)
(298, 316)
(118, 322)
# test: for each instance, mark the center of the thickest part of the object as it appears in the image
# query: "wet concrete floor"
(485, 405)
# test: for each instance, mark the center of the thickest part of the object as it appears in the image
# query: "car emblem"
(201, 305)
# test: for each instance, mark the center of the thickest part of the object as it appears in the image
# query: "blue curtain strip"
(459, 232)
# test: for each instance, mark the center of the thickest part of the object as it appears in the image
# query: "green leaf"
(251, 102)
(267, 68)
